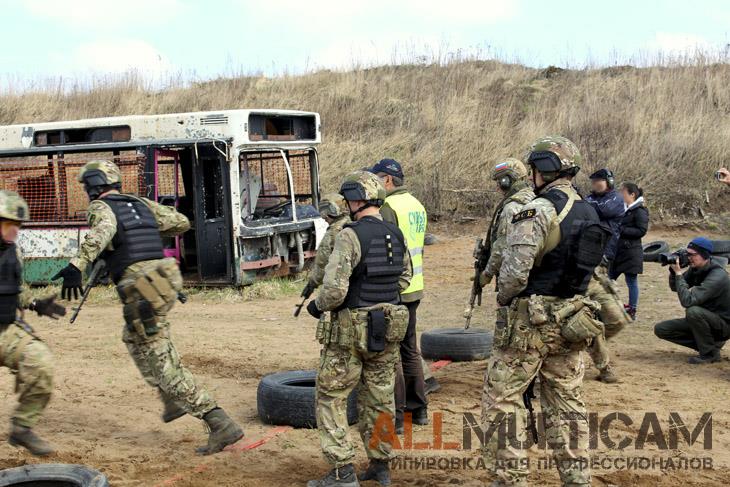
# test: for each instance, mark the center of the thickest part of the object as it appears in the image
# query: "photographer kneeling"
(704, 292)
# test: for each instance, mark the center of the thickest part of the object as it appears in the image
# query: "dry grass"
(665, 127)
(270, 289)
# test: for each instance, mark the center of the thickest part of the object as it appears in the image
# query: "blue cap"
(701, 243)
(390, 167)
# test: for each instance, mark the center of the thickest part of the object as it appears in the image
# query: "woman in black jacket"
(630, 256)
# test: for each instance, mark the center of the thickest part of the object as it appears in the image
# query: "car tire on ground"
(287, 398)
(720, 247)
(456, 344)
(53, 475)
(653, 249)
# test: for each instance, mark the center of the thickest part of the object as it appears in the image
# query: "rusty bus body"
(248, 181)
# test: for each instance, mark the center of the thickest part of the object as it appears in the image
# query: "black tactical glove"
(71, 282)
(308, 289)
(313, 310)
(48, 307)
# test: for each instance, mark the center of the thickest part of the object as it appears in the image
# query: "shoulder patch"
(524, 215)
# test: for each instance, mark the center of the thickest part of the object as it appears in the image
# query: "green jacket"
(708, 288)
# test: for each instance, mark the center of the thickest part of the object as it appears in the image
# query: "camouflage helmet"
(332, 205)
(99, 173)
(13, 207)
(363, 186)
(554, 153)
(514, 168)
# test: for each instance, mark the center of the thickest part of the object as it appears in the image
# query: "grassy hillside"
(668, 128)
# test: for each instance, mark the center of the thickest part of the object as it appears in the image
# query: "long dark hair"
(633, 188)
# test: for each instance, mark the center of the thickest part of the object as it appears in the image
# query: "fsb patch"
(524, 215)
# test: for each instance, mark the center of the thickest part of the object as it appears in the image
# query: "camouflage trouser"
(32, 363)
(340, 371)
(158, 361)
(613, 315)
(528, 353)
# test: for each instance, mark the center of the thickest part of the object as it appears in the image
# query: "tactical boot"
(420, 416)
(223, 432)
(431, 385)
(172, 410)
(705, 359)
(342, 477)
(607, 375)
(25, 437)
(378, 470)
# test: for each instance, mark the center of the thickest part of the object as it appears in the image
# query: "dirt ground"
(103, 415)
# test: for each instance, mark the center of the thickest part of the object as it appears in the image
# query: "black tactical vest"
(11, 280)
(567, 269)
(137, 238)
(375, 278)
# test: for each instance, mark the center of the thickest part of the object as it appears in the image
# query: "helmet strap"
(368, 204)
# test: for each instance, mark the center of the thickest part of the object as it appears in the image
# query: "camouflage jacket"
(499, 231)
(344, 258)
(526, 240)
(103, 226)
(325, 249)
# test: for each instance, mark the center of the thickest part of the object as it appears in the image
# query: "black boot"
(706, 359)
(399, 423)
(431, 385)
(25, 437)
(223, 432)
(378, 470)
(343, 476)
(172, 411)
(420, 416)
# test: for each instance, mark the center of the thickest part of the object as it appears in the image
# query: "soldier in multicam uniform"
(511, 177)
(553, 245)
(333, 208)
(126, 232)
(367, 269)
(21, 350)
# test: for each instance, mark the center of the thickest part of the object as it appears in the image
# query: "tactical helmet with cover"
(13, 207)
(363, 186)
(509, 167)
(332, 205)
(554, 155)
(98, 175)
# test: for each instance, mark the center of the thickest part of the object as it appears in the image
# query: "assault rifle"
(96, 272)
(306, 293)
(527, 398)
(481, 258)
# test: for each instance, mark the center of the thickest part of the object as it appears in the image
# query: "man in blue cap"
(404, 210)
(703, 289)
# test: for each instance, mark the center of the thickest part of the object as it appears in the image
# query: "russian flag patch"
(500, 166)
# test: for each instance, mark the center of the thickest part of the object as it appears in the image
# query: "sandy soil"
(103, 415)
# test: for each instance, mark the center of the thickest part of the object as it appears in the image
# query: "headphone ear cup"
(505, 182)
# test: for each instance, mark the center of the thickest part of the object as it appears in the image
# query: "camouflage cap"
(332, 205)
(566, 151)
(13, 207)
(363, 185)
(514, 168)
(107, 169)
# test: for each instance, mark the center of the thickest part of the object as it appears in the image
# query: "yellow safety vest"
(412, 221)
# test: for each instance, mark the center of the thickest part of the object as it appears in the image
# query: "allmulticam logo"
(608, 431)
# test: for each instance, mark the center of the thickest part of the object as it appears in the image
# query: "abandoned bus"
(247, 180)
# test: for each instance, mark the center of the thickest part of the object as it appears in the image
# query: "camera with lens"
(680, 257)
